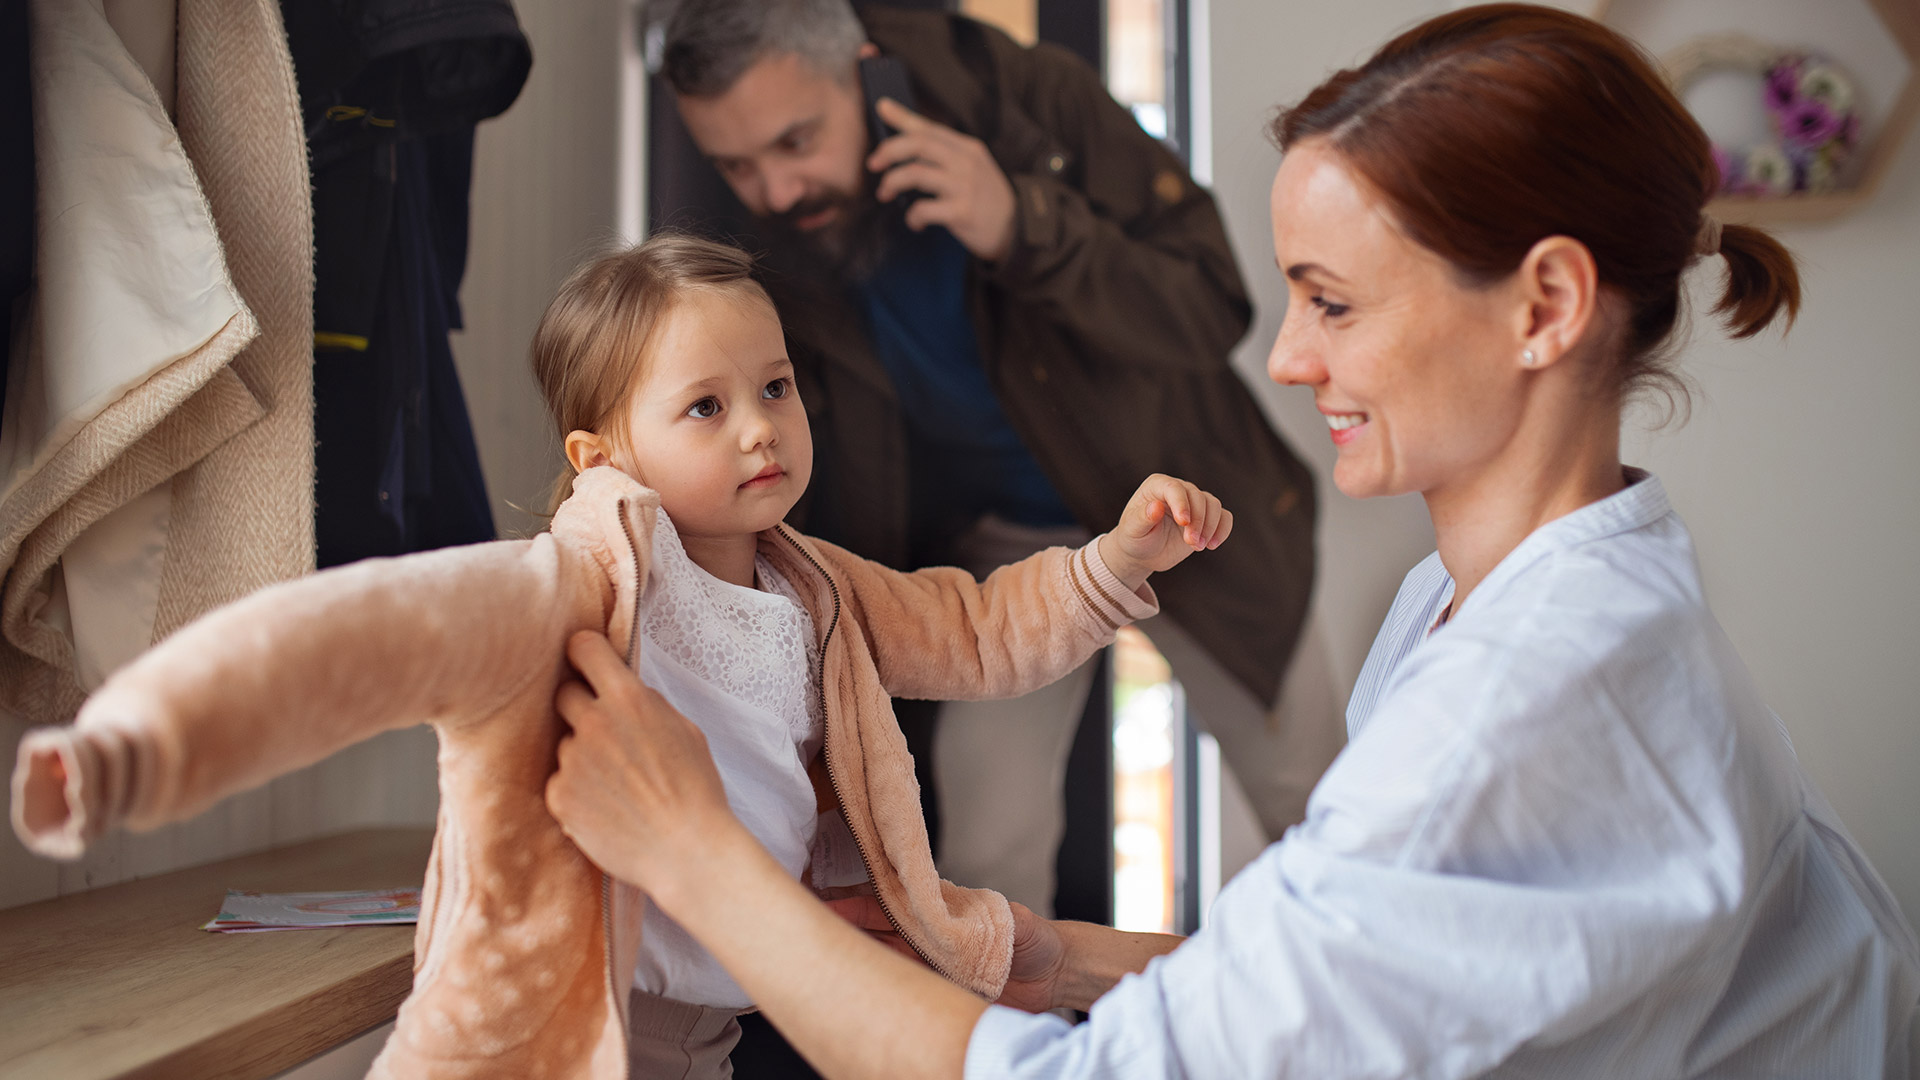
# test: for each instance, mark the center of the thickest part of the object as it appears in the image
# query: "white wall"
(545, 193)
(1797, 473)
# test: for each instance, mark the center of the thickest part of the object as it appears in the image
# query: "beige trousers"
(1000, 766)
(672, 1040)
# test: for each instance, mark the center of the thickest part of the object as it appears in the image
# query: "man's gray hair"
(706, 45)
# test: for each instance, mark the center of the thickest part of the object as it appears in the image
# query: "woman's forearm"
(1097, 957)
(854, 1008)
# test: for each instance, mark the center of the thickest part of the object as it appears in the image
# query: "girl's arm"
(638, 792)
(939, 634)
(296, 672)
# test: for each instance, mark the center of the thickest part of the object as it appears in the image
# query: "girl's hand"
(1165, 521)
(636, 789)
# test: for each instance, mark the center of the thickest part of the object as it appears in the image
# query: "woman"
(1567, 838)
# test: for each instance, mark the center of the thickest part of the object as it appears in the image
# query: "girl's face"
(715, 425)
(1419, 377)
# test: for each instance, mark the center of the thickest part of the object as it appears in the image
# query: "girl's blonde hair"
(592, 343)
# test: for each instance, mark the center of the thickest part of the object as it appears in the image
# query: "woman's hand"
(1039, 955)
(1165, 521)
(636, 789)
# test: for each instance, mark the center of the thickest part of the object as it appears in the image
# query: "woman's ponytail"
(1762, 281)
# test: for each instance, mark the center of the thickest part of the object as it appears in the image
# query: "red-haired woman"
(1567, 838)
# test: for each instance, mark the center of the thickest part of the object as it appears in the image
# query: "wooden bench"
(121, 982)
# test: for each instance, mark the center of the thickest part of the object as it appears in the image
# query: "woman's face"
(1418, 376)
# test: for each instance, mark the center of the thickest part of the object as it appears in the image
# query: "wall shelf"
(1901, 18)
(119, 982)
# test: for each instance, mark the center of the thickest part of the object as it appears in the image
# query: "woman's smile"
(1345, 425)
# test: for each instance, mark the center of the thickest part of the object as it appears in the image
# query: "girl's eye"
(776, 389)
(704, 409)
(1333, 310)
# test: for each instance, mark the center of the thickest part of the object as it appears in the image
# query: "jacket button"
(1039, 373)
(1168, 187)
(1284, 505)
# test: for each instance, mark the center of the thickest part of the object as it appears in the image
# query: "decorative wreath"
(1809, 101)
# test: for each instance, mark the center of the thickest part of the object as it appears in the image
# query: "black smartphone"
(883, 76)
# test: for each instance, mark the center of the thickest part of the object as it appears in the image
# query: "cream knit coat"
(169, 360)
(525, 951)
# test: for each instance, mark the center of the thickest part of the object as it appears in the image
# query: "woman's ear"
(1560, 285)
(587, 450)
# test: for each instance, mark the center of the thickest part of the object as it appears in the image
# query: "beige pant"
(999, 766)
(672, 1040)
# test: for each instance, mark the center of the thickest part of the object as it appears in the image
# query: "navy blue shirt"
(966, 458)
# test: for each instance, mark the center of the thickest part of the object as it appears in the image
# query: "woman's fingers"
(573, 701)
(864, 912)
(593, 656)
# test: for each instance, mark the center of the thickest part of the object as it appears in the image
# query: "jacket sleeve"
(938, 634)
(296, 672)
(1112, 238)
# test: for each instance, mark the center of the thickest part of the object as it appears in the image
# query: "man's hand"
(637, 789)
(965, 189)
(1165, 521)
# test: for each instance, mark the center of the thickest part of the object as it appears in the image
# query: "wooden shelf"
(1901, 19)
(119, 982)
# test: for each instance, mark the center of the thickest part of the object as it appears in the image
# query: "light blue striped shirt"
(1566, 839)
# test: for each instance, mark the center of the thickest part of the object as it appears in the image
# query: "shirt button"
(1056, 163)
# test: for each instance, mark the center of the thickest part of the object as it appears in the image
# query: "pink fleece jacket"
(525, 950)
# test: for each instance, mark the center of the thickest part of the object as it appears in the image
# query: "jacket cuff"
(1037, 225)
(1112, 603)
(69, 786)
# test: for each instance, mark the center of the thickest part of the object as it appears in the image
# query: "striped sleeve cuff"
(1112, 603)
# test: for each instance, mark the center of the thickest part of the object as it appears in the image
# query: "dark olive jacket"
(1105, 334)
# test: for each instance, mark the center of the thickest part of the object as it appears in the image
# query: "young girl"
(665, 368)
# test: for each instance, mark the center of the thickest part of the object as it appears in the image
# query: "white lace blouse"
(743, 665)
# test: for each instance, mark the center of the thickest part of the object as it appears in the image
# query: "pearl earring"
(1527, 357)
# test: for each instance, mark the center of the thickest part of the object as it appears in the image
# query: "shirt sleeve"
(1501, 864)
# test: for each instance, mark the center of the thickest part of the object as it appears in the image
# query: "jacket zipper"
(833, 775)
(606, 880)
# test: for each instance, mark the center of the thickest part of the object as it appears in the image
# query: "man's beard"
(854, 245)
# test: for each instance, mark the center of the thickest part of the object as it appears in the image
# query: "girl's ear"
(585, 450)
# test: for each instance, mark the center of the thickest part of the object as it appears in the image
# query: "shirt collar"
(1641, 503)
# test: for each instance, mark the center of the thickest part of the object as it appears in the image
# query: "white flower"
(1824, 83)
(1768, 170)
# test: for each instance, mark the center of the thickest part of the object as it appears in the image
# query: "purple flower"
(1809, 123)
(1729, 169)
(1783, 85)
